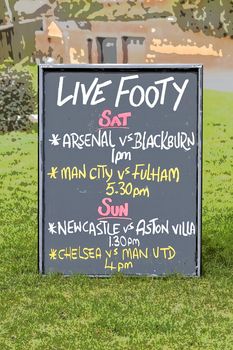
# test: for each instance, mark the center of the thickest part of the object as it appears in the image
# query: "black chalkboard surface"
(120, 168)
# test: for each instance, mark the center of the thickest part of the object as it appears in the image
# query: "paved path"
(221, 80)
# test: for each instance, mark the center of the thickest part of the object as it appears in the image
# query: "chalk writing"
(149, 96)
(163, 140)
(117, 121)
(141, 227)
(144, 172)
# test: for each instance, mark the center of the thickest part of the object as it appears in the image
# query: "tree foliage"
(79, 9)
(109, 10)
(212, 17)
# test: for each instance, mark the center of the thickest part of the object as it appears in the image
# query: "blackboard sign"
(120, 164)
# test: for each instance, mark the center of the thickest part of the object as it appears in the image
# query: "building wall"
(151, 41)
(168, 43)
(78, 43)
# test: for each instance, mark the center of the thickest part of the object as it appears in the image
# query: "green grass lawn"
(84, 313)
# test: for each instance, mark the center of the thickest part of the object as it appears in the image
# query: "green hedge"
(17, 99)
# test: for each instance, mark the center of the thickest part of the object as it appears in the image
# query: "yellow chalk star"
(53, 254)
(53, 172)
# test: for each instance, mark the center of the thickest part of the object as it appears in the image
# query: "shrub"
(17, 99)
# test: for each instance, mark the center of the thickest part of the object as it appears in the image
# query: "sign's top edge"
(121, 66)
